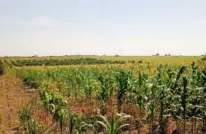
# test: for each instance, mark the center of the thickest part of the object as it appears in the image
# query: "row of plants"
(69, 61)
(69, 122)
(168, 92)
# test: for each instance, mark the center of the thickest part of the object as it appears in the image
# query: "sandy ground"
(12, 98)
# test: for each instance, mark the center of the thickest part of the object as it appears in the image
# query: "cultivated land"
(157, 59)
(103, 94)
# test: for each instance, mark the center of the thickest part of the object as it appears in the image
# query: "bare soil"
(12, 98)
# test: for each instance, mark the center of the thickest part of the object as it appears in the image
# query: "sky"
(98, 27)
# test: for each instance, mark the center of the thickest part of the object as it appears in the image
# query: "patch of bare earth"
(12, 98)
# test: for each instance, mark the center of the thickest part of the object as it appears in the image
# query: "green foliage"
(203, 57)
(162, 92)
(88, 88)
(69, 61)
(113, 126)
(106, 91)
(123, 78)
(77, 124)
(28, 124)
(56, 105)
(2, 67)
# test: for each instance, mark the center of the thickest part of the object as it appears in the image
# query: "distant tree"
(203, 57)
(35, 55)
(167, 54)
(157, 54)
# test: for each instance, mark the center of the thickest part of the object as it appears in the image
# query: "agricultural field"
(103, 94)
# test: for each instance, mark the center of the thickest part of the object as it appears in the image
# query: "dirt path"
(12, 99)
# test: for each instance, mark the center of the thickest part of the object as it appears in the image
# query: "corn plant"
(184, 97)
(72, 83)
(164, 94)
(204, 109)
(113, 126)
(88, 89)
(77, 124)
(61, 85)
(139, 92)
(72, 123)
(29, 125)
(162, 83)
(142, 91)
(195, 96)
(105, 90)
(56, 105)
(204, 100)
(152, 104)
(123, 78)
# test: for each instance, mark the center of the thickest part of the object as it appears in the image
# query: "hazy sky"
(125, 27)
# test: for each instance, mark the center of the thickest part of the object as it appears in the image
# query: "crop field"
(103, 94)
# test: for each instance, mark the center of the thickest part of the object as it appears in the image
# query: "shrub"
(204, 57)
(1, 67)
